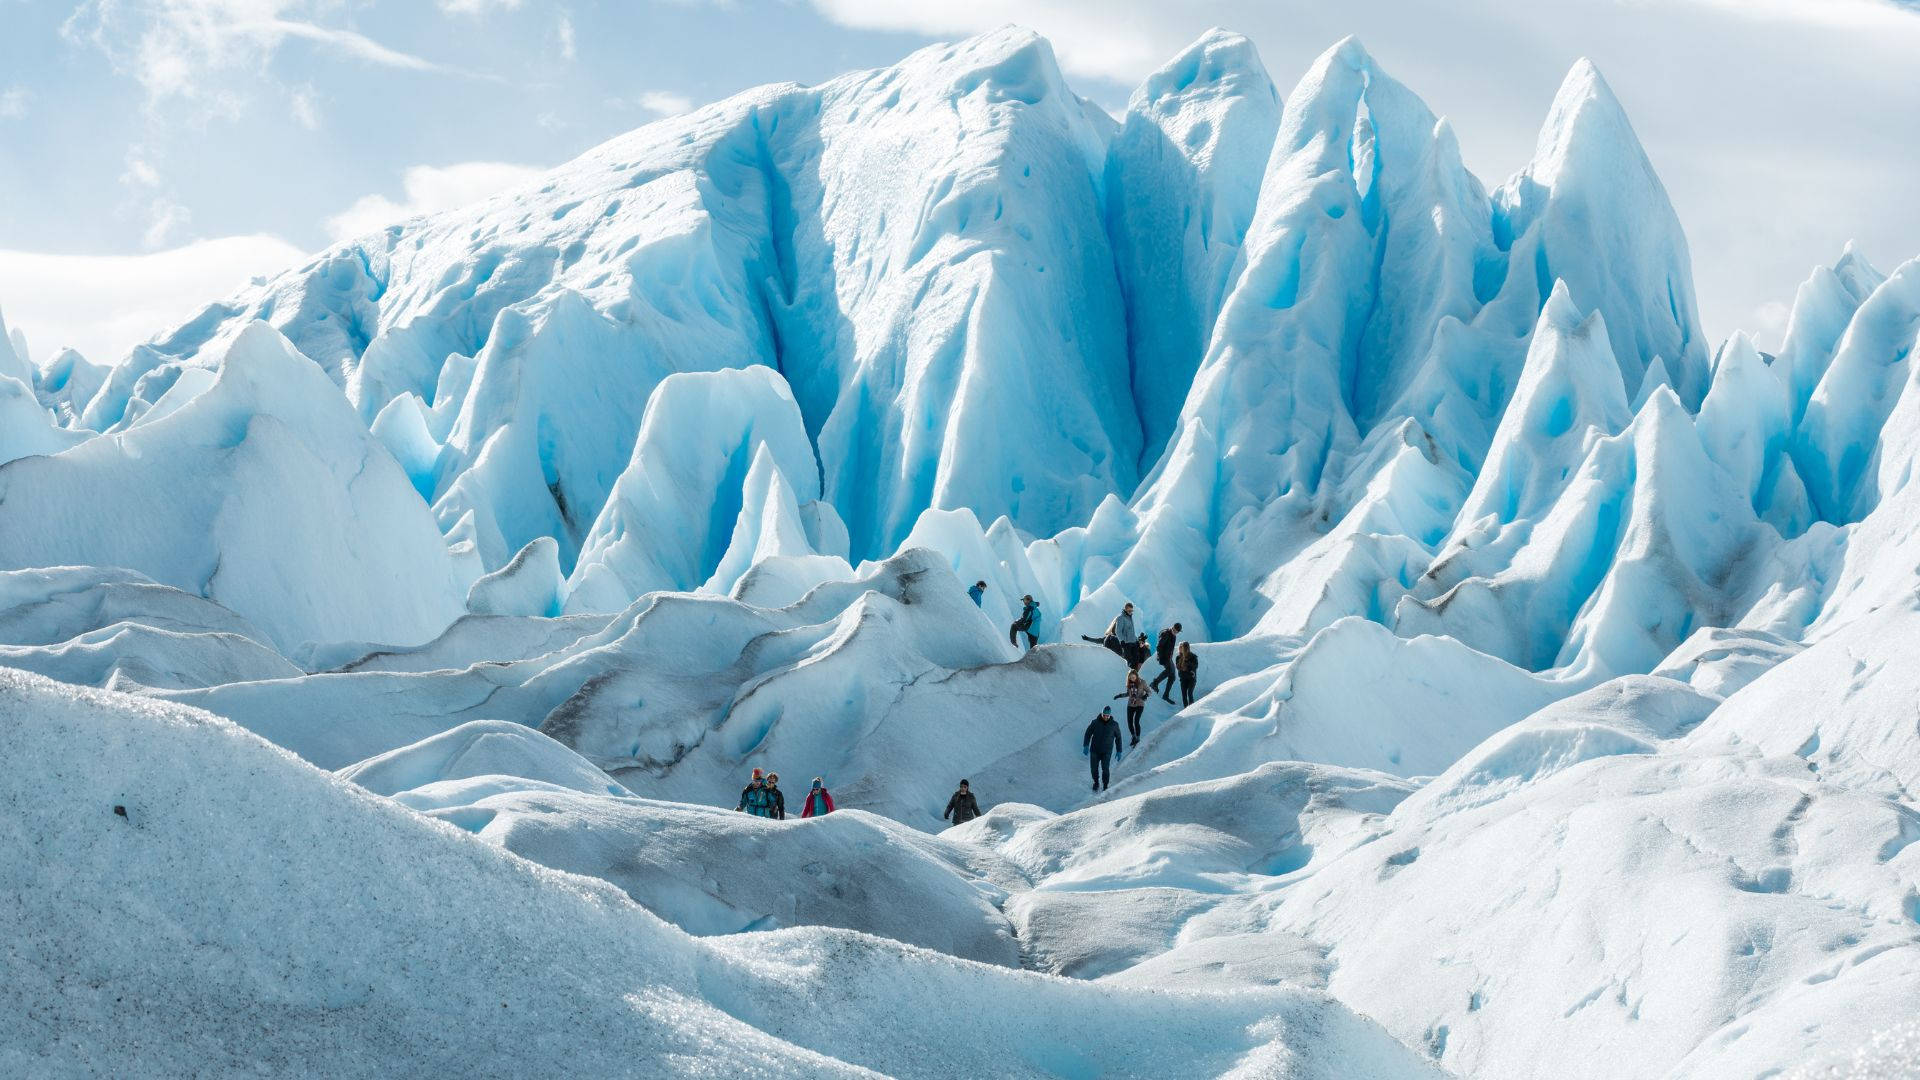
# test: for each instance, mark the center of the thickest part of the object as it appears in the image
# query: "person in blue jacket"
(978, 590)
(1028, 623)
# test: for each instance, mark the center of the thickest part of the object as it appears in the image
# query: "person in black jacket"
(1163, 652)
(1187, 663)
(963, 807)
(1136, 652)
(1101, 744)
(779, 800)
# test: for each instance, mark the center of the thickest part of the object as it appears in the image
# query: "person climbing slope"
(1163, 653)
(1136, 694)
(1118, 634)
(818, 802)
(1028, 623)
(977, 590)
(1187, 663)
(1101, 744)
(962, 807)
(754, 798)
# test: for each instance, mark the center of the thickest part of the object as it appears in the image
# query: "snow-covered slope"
(1553, 708)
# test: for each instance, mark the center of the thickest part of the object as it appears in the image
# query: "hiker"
(1187, 663)
(1118, 634)
(776, 802)
(1101, 744)
(818, 802)
(978, 590)
(754, 798)
(1136, 652)
(1136, 694)
(1028, 623)
(1164, 654)
(963, 807)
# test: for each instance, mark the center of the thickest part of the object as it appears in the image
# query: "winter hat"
(817, 782)
(757, 774)
(773, 778)
(1107, 711)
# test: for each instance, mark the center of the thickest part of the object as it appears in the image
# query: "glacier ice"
(1553, 713)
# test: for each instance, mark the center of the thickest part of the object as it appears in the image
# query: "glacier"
(383, 649)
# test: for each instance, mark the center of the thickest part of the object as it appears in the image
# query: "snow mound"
(288, 922)
(480, 748)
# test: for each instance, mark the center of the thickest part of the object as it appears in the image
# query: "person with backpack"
(777, 801)
(754, 798)
(1187, 663)
(1028, 623)
(962, 807)
(1136, 652)
(1163, 652)
(1101, 744)
(1136, 694)
(818, 802)
(1118, 635)
(976, 591)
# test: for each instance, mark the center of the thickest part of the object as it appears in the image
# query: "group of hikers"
(1103, 742)
(762, 797)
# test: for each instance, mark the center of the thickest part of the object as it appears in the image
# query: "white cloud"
(427, 188)
(103, 305)
(564, 31)
(185, 48)
(663, 102)
(165, 218)
(13, 102)
(476, 7)
(304, 104)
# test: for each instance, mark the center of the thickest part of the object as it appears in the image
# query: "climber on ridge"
(1136, 694)
(1028, 623)
(962, 807)
(1118, 634)
(977, 590)
(1187, 663)
(754, 798)
(1101, 744)
(817, 803)
(1163, 652)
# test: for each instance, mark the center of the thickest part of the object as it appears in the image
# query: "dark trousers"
(1102, 765)
(1165, 676)
(1014, 632)
(1133, 720)
(1186, 688)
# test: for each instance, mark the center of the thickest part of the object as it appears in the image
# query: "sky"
(155, 154)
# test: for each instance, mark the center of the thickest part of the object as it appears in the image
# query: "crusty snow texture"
(1557, 666)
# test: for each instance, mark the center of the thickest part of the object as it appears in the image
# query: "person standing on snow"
(1136, 694)
(1118, 634)
(777, 802)
(754, 798)
(817, 803)
(963, 807)
(1187, 663)
(1136, 652)
(1028, 623)
(1101, 744)
(1163, 652)
(978, 590)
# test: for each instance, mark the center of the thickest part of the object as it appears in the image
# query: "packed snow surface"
(419, 615)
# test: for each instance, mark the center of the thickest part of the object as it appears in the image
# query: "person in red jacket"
(818, 802)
